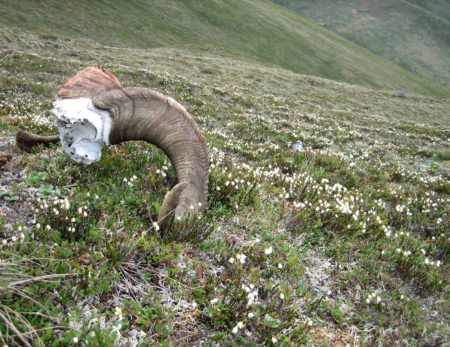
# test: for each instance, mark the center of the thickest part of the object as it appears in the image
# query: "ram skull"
(94, 111)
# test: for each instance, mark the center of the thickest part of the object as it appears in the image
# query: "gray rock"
(298, 146)
(399, 94)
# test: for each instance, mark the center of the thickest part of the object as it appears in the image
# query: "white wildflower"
(118, 312)
(241, 258)
(268, 250)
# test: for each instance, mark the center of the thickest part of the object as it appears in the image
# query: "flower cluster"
(374, 298)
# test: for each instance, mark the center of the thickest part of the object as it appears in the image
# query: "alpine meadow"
(327, 220)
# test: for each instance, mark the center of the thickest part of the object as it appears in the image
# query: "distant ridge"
(414, 34)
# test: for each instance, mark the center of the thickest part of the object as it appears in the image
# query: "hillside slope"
(414, 34)
(256, 29)
(440, 8)
(344, 242)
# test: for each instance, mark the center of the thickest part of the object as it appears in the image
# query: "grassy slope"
(440, 8)
(333, 278)
(256, 29)
(414, 34)
(327, 267)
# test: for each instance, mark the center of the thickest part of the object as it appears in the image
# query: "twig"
(39, 278)
(13, 328)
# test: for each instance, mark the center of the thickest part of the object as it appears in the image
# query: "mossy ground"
(345, 242)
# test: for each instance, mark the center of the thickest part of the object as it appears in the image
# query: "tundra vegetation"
(344, 242)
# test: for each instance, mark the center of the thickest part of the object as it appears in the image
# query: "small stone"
(298, 146)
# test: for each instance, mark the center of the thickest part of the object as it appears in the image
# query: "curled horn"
(145, 114)
(26, 140)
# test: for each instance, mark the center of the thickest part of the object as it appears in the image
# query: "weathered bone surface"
(83, 129)
(96, 110)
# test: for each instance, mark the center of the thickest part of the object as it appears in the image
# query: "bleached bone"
(83, 128)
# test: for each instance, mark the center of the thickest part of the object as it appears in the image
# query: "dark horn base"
(27, 141)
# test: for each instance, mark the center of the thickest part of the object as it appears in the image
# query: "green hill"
(440, 8)
(258, 30)
(344, 242)
(415, 34)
